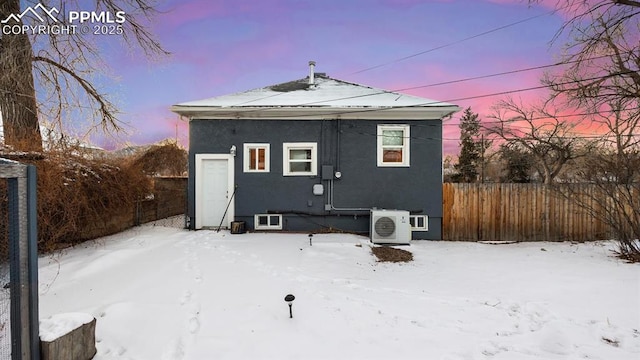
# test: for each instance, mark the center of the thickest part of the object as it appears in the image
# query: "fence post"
(32, 235)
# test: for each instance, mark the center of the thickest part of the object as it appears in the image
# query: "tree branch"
(105, 107)
(627, 2)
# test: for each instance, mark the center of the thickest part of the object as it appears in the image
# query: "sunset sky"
(226, 46)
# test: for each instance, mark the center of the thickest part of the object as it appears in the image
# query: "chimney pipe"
(312, 65)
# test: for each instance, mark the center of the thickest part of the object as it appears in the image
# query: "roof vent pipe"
(312, 65)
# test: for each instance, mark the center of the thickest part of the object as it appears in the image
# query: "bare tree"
(542, 133)
(613, 170)
(619, 147)
(17, 91)
(602, 77)
(602, 55)
(53, 76)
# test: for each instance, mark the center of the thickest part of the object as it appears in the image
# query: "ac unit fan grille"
(384, 226)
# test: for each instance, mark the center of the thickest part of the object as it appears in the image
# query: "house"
(315, 154)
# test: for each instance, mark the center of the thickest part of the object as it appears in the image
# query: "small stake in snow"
(310, 238)
(289, 298)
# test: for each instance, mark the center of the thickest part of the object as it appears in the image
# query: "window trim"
(257, 226)
(246, 158)
(406, 146)
(286, 147)
(414, 218)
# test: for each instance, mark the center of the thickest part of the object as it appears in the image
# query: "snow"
(327, 92)
(60, 324)
(172, 294)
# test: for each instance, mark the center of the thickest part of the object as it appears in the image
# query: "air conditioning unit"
(390, 227)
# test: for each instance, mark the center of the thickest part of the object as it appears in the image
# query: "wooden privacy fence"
(518, 212)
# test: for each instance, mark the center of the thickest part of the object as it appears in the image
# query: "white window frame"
(406, 136)
(257, 226)
(247, 158)
(416, 219)
(286, 147)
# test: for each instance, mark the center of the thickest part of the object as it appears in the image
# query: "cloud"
(186, 12)
(566, 9)
(547, 4)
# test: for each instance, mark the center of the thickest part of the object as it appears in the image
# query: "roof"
(325, 98)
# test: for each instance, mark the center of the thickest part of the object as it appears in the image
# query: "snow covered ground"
(161, 293)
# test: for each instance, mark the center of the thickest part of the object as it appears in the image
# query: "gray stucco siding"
(349, 146)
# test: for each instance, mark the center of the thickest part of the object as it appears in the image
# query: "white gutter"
(315, 112)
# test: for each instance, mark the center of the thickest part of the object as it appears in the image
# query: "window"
(299, 159)
(256, 158)
(419, 222)
(393, 145)
(267, 221)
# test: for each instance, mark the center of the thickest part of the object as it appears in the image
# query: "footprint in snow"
(198, 277)
(175, 351)
(194, 325)
(185, 298)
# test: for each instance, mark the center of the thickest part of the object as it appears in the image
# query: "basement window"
(267, 222)
(256, 157)
(299, 159)
(393, 145)
(419, 222)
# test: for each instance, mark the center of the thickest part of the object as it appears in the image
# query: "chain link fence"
(177, 221)
(5, 291)
(19, 338)
(167, 207)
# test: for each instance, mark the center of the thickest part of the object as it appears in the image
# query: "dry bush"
(167, 159)
(79, 198)
(76, 194)
(83, 194)
(389, 254)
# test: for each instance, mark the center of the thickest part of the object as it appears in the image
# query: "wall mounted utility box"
(327, 172)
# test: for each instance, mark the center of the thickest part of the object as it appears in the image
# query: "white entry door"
(214, 190)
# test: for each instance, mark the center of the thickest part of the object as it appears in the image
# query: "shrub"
(76, 194)
(81, 196)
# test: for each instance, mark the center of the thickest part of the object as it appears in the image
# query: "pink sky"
(225, 46)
